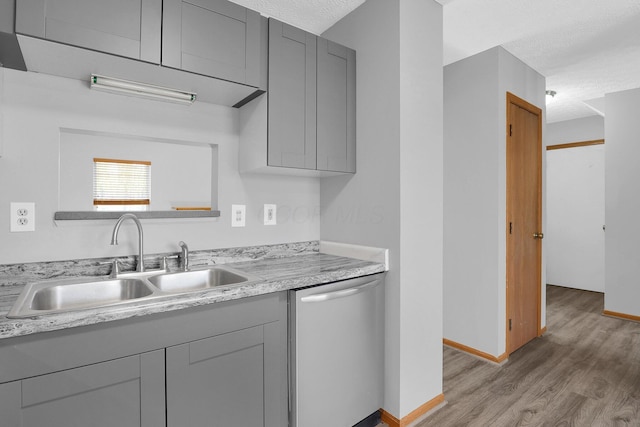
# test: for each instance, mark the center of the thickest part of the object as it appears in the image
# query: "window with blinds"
(121, 184)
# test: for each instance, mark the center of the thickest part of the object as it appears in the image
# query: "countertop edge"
(342, 268)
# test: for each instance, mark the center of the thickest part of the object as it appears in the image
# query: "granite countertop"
(274, 274)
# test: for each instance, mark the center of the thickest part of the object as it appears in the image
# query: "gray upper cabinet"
(292, 97)
(128, 28)
(126, 392)
(336, 115)
(306, 124)
(214, 38)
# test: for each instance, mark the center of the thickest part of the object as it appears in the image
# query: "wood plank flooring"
(584, 371)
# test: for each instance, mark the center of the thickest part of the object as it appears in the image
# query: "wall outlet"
(270, 215)
(238, 215)
(23, 217)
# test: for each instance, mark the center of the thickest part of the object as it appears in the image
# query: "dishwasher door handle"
(341, 293)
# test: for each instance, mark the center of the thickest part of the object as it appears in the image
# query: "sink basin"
(41, 298)
(196, 279)
(66, 295)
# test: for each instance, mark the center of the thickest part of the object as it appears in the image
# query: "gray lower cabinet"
(126, 392)
(224, 380)
(129, 28)
(213, 37)
(219, 365)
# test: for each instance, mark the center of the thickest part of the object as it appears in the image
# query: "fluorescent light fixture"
(143, 90)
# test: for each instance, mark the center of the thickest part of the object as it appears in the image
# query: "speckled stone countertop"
(276, 268)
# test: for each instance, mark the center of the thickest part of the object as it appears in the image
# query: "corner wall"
(395, 198)
(622, 204)
(475, 194)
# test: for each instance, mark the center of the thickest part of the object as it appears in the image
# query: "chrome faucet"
(114, 237)
(184, 256)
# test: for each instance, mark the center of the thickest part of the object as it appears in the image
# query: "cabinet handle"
(538, 235)
(341, 293)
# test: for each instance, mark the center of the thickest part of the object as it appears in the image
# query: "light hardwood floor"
(584, 371)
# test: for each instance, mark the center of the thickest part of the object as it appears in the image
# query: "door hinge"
(510, 227)
(509, 324)
(510, 130)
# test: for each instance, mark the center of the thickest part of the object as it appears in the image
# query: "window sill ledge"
(92, 215)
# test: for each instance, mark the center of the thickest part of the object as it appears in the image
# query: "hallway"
(584, 371)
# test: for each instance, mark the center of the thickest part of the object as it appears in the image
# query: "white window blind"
(121, 182)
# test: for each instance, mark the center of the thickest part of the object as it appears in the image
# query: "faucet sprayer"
(114, 237)
(184, 256)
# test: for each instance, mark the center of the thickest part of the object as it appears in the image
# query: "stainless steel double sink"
(57, 296)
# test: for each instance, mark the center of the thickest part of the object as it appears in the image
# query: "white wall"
(575, 212)
(577, 130)
(475, 193)
(37, 106)
(395, 198)
(471, 201)
(622, 203)
(575, 205)
(168, 188)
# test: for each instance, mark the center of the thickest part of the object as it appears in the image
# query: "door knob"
(538, 235)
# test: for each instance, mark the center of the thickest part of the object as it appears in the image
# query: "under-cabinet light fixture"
(143, 90)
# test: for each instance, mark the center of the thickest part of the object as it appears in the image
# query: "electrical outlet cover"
(23, 216)
(270, 215)
(238, 214)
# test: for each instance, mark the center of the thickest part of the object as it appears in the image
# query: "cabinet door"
(336, 107)
(212, 37)
(129, 28)
(123, 392)
(292, 97)
(226, 380)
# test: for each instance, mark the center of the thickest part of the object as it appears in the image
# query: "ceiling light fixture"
(550, 93)
(143, 90)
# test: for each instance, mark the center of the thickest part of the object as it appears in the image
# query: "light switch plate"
(238, 214)
(270, 215)
(23, 217)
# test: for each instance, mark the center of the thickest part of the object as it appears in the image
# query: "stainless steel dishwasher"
(336, 337)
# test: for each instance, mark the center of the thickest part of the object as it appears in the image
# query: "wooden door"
(524, 221)
(336, 107)
(292, 97)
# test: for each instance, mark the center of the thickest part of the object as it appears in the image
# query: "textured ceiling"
(584, 48)
(315, 16)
